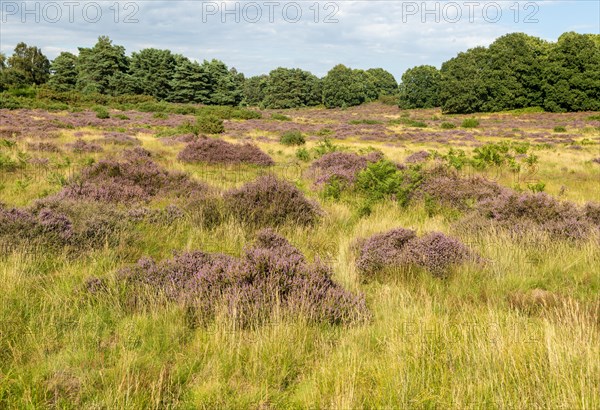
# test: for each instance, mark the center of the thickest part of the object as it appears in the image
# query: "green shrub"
(323, 132)
(447, 126)
(470, 123)
(409, 122)
(594, 117)
(160, 115)
(9, 102)
(101, 112)
(560, 128)
(379, 180)
(280, 117)
(210, 124)
(364, 121)
(121, 116)
(302, 154)
(325, 146)
(536, 187)
(292, 138)
(388, 99)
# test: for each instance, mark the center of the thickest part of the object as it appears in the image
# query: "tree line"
(516, 71)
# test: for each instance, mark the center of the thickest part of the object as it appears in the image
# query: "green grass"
(474, 340)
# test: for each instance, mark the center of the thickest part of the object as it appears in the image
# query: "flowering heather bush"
(592, 212)
(449, 189)
(436, 253)
(272, 274)
(522, 212)
(118, 138)
(343, 166)
(23, 225)
(81, 146)
(401, 248)
(417, 157)
(43, 146)
(383, 250)
(134, 179)
(218, 151)
(271, 201)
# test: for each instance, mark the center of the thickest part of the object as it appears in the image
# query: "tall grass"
(520, 330)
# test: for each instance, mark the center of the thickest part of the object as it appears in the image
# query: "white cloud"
(368, 34)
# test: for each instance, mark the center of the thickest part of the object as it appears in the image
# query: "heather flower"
(450, 189)
(522, 212)
(344, 166)
(401, 248)
(211, 150)
(417, 157)
(43, 146)
(135, 179)
(81, 146)
(272, 274)
(271, 201)
(436, 253)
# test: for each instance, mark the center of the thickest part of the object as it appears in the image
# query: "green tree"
(254, 89)
(63, 72)
(514, 72)
(27, 66)
(225, 85)
(383, 81)
(291, 88)
(420, 87)
(572, 74)
(98, 64)
(190, 82)
(151, 72)
(342, 87)
(463, 87)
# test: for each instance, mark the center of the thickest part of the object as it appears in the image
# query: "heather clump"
(81, 146)
(216, 151)
(523, 212)
(417, 157)
(24, 226)
(119, 138)
(43, 147)
(136, 178)
(448, 188)
(401, 248)
(271, 276)
(269, 201)
(342, 166)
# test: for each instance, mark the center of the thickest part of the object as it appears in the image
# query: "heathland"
(156, 255)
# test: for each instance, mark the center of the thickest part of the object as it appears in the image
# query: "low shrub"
(137, 178)
(280, 117)
(216, 151)
(417, 157)
(101, 112)
(269, 201)
(292, 138)
(271, 276)
(81, 146)
(210, 124)
(343, 166)
(560, 128)
(524, 212)
(302, 154)
(470, 123)
(401, 248)
(447, 126)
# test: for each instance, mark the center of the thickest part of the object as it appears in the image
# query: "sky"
(258, 36)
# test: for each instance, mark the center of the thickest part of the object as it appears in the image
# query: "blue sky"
(395, 35)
